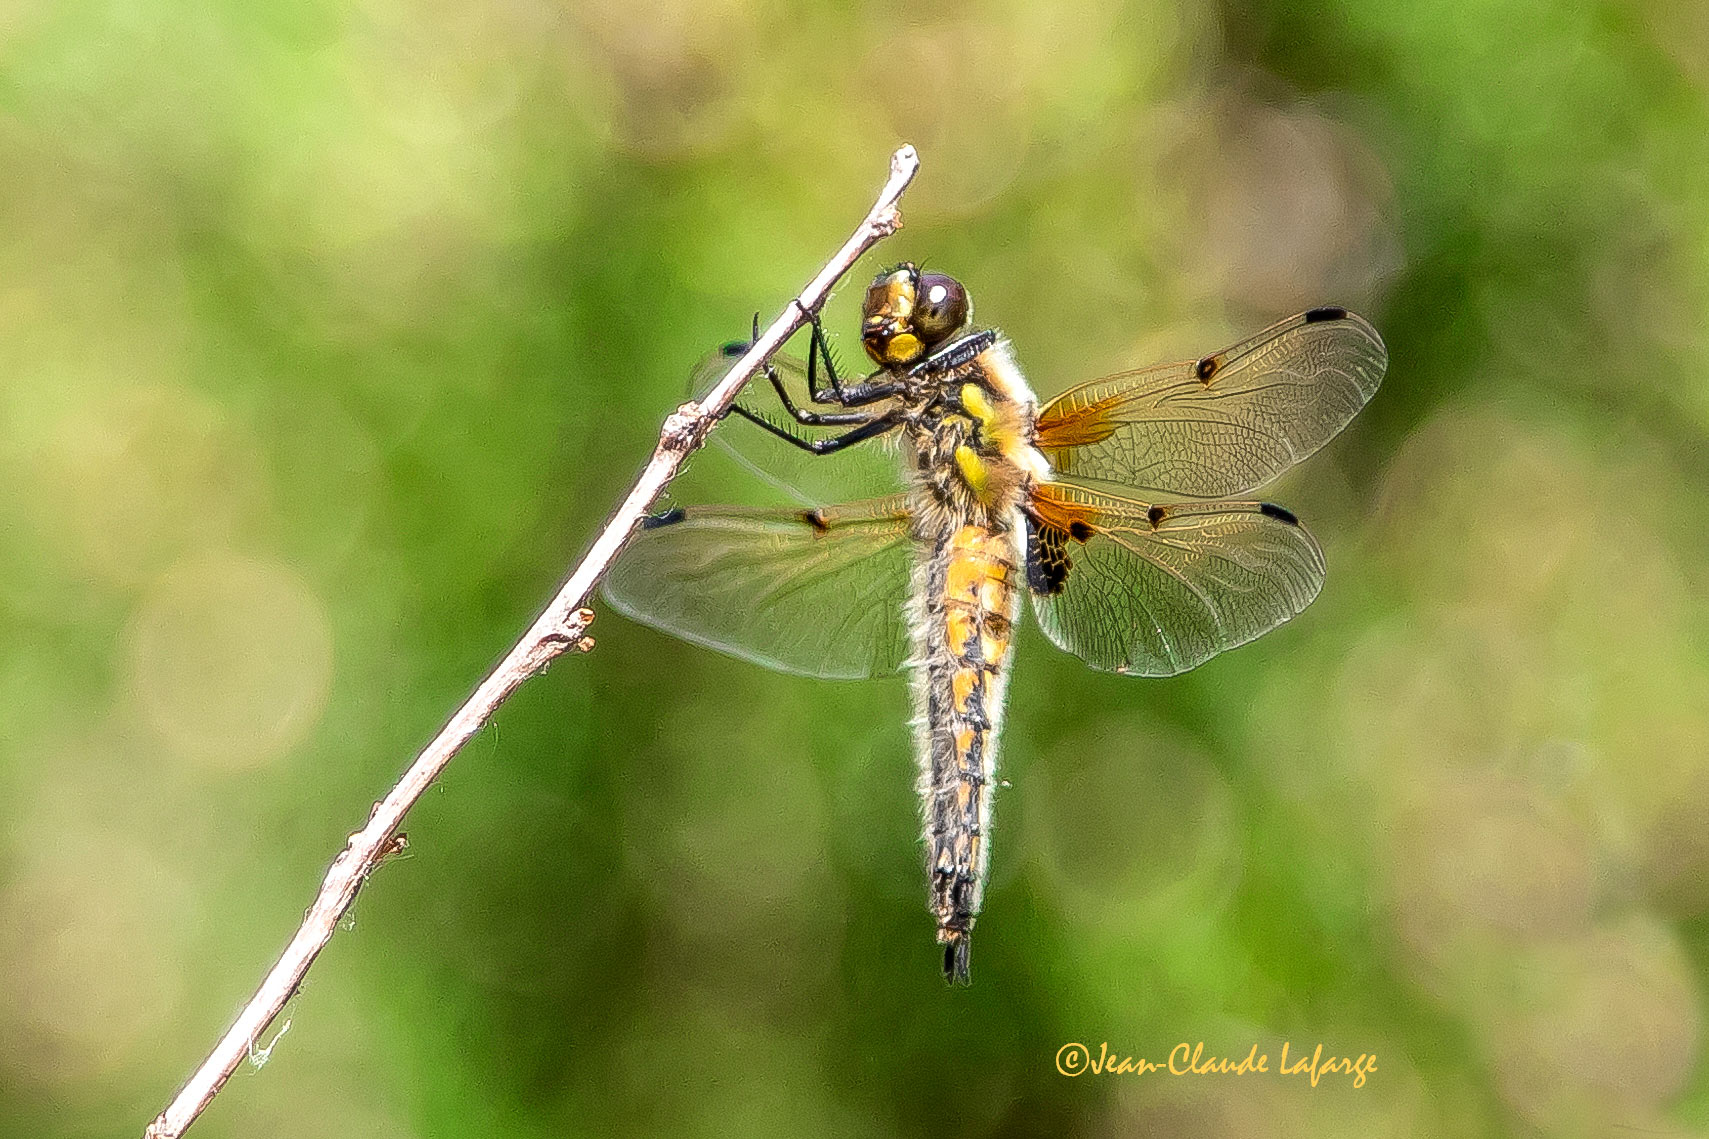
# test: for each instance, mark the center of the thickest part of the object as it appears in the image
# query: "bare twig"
(561, 627)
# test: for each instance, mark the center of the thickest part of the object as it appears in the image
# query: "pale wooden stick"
(561, 627)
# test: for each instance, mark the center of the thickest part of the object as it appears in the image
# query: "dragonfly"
(1113, 508)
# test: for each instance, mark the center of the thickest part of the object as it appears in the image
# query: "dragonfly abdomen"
(966, 600)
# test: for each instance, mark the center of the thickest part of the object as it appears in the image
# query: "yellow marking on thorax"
(1002, 416)
(977, 404)
(973, 470)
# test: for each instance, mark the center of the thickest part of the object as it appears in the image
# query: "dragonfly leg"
(869, 390)
(872, 427)
(799, 414)
(812, 418)
(817, 350)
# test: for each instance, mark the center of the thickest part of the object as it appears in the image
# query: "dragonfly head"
(908, 313)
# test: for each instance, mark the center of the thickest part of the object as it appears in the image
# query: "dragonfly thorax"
(972, 441)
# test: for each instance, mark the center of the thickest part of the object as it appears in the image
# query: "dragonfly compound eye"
(941, 308)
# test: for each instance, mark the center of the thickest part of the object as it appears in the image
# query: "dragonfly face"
(908, 313)
(1109, 506)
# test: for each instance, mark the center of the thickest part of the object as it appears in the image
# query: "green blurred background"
(329, 332)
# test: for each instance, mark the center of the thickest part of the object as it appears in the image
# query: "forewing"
(813, 592)
(1156, 590)
(1224, 424)
(747, 463)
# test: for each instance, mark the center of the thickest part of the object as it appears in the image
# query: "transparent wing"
(720, 360)
(814, 592)
(1159, 589)
(745, 463)
(1226, 423)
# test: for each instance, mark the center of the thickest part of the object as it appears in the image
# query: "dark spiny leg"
(867, 430)
(816, 350)
(847, 395)
(844, 395)
(812, 418)
(865, 394)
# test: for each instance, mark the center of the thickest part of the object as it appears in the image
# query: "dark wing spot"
(664, 518)
(736, 347)
(815, 519)
(1279, 513)
(1156, 515)
(1327, 312)
(1047, 559)
(1079, 531)
(1206, 368)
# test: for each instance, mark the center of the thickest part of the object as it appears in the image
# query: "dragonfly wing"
(813, 592)
(1158, 589)
(1224, 424)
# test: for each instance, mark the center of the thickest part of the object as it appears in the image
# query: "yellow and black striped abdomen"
(967, 602)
